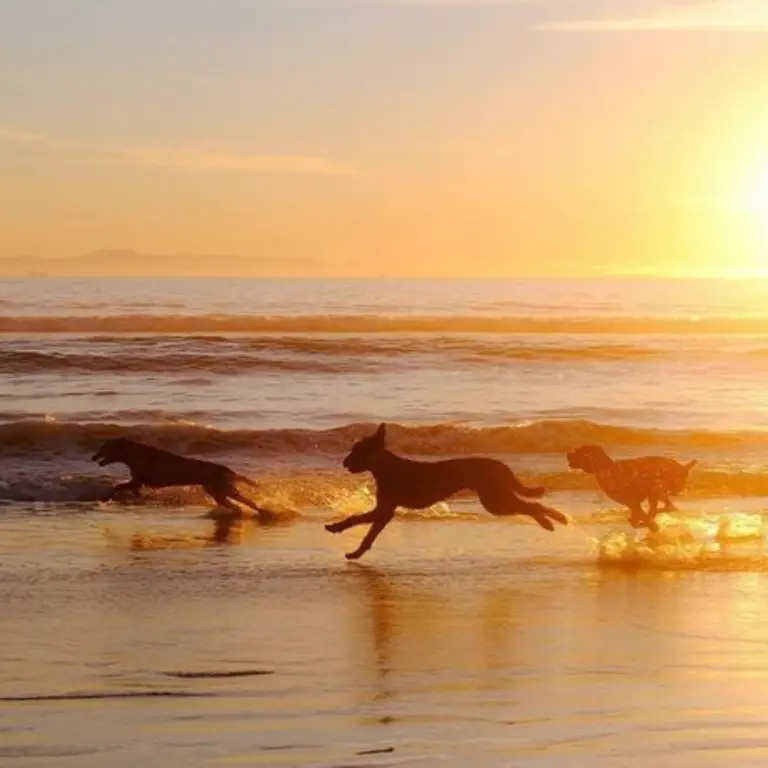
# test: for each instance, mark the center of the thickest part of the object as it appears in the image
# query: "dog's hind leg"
(543, 515)
(513, 505)
(235, 494)
(221, 497)
(497, 504)
(382, 520)
(554, 515)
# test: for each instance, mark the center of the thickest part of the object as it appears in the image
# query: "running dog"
(632, 481)
(154, 468)
(402, 482)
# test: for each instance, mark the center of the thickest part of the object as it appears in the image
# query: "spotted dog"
(155, 468)
(403, 482)
(632, 481)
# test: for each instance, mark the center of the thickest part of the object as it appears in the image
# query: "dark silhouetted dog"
(154, 468)
(632, 481)
(402, 482)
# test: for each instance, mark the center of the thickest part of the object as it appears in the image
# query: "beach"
(132, 634)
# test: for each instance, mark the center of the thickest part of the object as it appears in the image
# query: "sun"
(755, 199)
(751, 190)
(745, 221)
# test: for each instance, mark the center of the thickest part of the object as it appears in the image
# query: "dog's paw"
(557, 516)
(356, 555)
(334, 527)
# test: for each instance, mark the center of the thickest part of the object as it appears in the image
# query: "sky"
(403, 137)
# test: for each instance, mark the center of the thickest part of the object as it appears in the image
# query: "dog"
(632, 481)
(155, 468)
(403, 482)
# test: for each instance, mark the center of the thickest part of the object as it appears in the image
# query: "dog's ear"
(381, 433)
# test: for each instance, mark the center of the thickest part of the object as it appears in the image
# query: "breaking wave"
(547, 436)
(69, 445)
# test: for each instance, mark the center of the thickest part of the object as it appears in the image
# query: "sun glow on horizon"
(726, 218)
(753, 205)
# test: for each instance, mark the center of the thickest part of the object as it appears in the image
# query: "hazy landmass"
(127, 263)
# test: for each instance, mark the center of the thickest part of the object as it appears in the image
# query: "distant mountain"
(128, 263)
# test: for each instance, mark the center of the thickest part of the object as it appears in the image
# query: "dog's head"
(364, 452)
(112, 451)
(589, 458)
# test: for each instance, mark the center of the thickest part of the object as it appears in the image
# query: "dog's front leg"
(639, 518)
(352, 521)
(131, 486)
(381, 521)
(663, 497)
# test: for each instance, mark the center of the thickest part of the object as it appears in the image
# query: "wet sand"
(453, 643)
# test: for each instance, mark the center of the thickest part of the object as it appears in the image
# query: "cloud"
(182, 158)
(10, 135)
(733, 15)
(191, 158)
(468, 148)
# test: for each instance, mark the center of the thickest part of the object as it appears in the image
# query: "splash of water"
(689, 544)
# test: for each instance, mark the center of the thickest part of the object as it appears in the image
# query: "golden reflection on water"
(492, 646)
(431, 634)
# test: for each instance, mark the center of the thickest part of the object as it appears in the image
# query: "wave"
(28, 444)
(223, 323)
(350, 356)
(31, 362)
(538, 437)
(278, 492)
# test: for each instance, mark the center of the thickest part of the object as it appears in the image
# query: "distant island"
(128, 263)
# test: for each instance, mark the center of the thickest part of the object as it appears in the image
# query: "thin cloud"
(182, 158)
(192, 158)
(9, 135)
(468, 148)
(725, 15)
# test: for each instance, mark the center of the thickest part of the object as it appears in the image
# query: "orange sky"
(373, 136)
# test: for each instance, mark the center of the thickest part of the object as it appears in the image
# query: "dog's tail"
(524, 490)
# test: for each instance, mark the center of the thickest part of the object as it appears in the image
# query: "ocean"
(131, 634)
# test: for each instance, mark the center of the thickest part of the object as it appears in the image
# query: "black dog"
(155, 468)
(402, 482)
